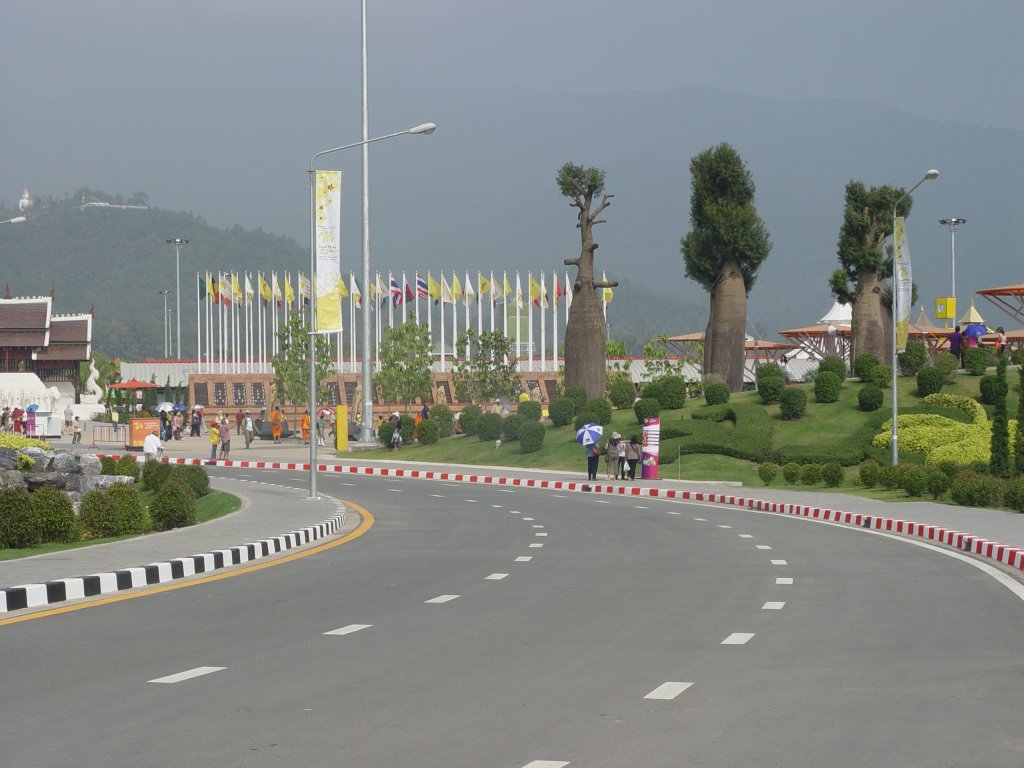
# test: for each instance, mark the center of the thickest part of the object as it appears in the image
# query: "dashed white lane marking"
(187, 675)
(784, 580)
(496, 576)
(395, 490)
(513, 511)
(779, 562)
(601, 501)
(725, 526)
(471, 501)
(538, 533)
(497, 506)
(536, 526)
(746, 536)
(441, 599)
(772, 606)
(349, 629)
(763, 546)
(738, 638)
(451, 485)
(701, 519)
(437, 496)
(505, 490)
(557, 496)
(523, 559)
(527, 518)
(667, 691)
(536, 546)
(639, 507)
(546, 764)
(667, 511)
(353, 485)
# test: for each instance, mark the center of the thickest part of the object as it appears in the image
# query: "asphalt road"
(479, 626)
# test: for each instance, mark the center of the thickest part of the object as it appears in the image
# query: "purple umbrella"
(975, 330)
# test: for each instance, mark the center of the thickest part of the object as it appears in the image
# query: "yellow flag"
(236, 289)
(607, 291)
(534, 291)
(342, 290)
(483, 285)
(456, 288)
(507, 289)
(265, 292)
(433, 288)
(289, 294)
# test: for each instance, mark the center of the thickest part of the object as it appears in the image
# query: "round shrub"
(108, 465)
(99, 515)
(971, 490)
(1013, 494)
(19, 525)
(948, 364)
(602, 410)
(793, 404)
(173, 507)
(407, 428)
(826, 387)
(128, 505)
(716, 394)
(937, 482)
(441, 415)
(863, 365)
(889, 477)
(767, 472)
(868, 473)
(810, 474)
(870, 397)
(55, 515)
(671, 392)
(621, 392)
(469, 417)
(155, 474)
(646, 408)
(430, 431)
(529, 409)
(531, 436)
(930, 381)
(881, 375)
(975, 361)
(194, 477)
(833, 364)
(561, 411)
(583, 418)
(913, 359)
(914, 480)
(992, 389)
(770, 388)
(511, 424)
(832, 474)
(384, 432)
(128, 467)
(791, 472)
(949, 467)
(652, 389)
(489, 427)
(578, 396)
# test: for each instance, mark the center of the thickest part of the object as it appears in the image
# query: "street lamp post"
(177, 242)
(165, 293)
(932, 174)
(426, 129)
(952, 222)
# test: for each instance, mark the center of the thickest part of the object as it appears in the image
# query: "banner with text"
(327, 220)
(904, 283)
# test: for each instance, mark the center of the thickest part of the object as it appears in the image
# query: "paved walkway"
(263, 516)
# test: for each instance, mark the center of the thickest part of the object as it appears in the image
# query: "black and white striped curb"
(32, 595)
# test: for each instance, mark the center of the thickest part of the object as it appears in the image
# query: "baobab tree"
(585, 365)
(723, 252)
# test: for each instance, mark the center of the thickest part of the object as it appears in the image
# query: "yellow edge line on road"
(367, 523)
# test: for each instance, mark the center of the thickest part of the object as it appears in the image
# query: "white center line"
(187, 675)
(667, 511)
(527, 518)
(546, 764)
(667, 691)
(784, 580)
(725, 526)
(496, 576)
(349, 484)
(557, 496)
(395, 490)
(779, 562)
(536, 546)
(536, 526)
(701, 519)
(538, 533)
(505, 490)
(763, 546)
(513, 511)
(601, 501)
(746, 536)
(772, 606)
(437, 495)
(441, 599)
(349, 629)
(738, 638)
(523, 559)
(471, 501)
(639, 507)
(496, 506)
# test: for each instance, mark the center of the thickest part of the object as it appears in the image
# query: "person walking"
(177, 423)
(151, 446)
(956, 343)
(214, 440)
(632, 456)
(593, 452)
(76, 431)
(321, 428)
(304, 428)
(612, 451)
(396, 439)
(225, 440)
(197, 422)
(276, 420)
(1000, 341)
(248, 429)
(69, 417)
(239, 418)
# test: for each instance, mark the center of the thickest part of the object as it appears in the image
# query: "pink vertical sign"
(649, 451)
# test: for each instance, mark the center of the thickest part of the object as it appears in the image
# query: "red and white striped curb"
(1011, 556)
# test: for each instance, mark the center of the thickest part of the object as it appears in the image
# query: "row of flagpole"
(244, 313)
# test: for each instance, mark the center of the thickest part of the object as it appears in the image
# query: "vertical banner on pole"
(649, 451)
(328, 253)
(904, 283)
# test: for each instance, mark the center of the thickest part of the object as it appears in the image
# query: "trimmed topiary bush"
(155, 474)
(863, 366)
(914, 479)
(767, 472)
(646, 408)
(384, 432)
(832, 474)
(561, 411)
(1013, 494)
(833, 364)
(936, 481)
(490, 426)
(407, 428)
(868, 472)
(889, 477)
(602, 410)
(529, 409)
(791, 472)
(810, 474)
(430, 431)
(173, 507)
(621, 392)
(469, 417)
(881, 375)
(99, 515)
(930, 381)
(976, 361)
(716, 394)
(128, 505)
(441, 415)
(511, 425)
(578, 396)
(870, 397)
(194, 477)
(531, 436)
(793, 404)
(583, 418)
(992, 389)
(19, 524)
(55, 515)
(128, 467)
(671, 392)
(971, 490)
(108, 465)
(826, 387)
(948, 364)
(913, 359)
(770, 386)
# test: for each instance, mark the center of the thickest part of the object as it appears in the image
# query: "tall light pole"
(177, 242)
(426, 129)
(952, 222)
(165, 293)
(932, 174)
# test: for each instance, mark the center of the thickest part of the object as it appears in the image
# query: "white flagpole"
(220, 327)
(391, 302)
(479, 307)
(442, 320)
(352, 324)
(199, 328)
(519, 309)
(379, 322)
(455, 323)
(427, 303)
(504, 307)
(494, 297)
(543, 331)
(554, 321)
(234, 325)
(465, 299)
(416, 295)
(248, 324)
(529, 321)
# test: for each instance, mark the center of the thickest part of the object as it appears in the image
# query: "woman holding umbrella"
(588, 436)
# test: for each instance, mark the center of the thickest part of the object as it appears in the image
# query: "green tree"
(723, 252)
(999, 462)
(865, 265)
(291, 364)
(406, 354)
(656, 359)
(585, 330)
(491, 370)
(1018, 443)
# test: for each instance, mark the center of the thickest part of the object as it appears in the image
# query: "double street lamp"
(932, 174)
(177, 242)
(952, 222)
(425, 129)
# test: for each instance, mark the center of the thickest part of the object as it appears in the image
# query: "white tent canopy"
(841, 315)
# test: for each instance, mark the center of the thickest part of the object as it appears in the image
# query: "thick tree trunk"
(725, 336)
(585, 341)
(871, 323)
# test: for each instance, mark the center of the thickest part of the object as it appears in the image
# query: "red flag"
(409, 293)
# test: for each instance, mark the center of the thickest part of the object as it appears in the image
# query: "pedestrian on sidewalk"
(69, 416)
(632, 456)
(239, 418)
(593, 452)
(612, 451)
(249, 429)
(76, 431)
(321, 427)
(151, 446)
(197, 422)
(225, 440)
(214, 440)
(304, 427)
(275, 424)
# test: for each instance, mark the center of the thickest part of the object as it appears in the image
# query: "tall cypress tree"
(1018, 444)
(999, 463)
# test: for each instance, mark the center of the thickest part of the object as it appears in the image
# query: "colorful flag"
(483, 285)
(543, 292)
(396, 291)
(560, 289)
(410, 294)
(236, 289)
(250, 294)
(446, 292)
(534, 290)
(289, 294)
(422, 289)
(456, 288)
(224, 289)
(265, 294)
(342, 290)
(470, 293)
(433, 288)
(276, 289)
(506, 290)
(211, 291)
(519, 293)
(607, 296)
(304, 288)
(357, 295)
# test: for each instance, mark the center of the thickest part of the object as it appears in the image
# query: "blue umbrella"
(975, 330)
(589, 434)
(32, 408)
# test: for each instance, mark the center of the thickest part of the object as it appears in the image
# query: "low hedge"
(469, 417)
(128, 508)
(511, 425)
(791, 472)
(128, 467)
(832, 474)
(384, 432)
(869, 473)
(810, 474)
(102, 515)
(646, 408)
(716, 394)
(976, 490)
(863, 366)
(155, 474)
(19, 524)
(669, 391)
(194, 477)
(55, 515)
(976, 361)
(441, 415)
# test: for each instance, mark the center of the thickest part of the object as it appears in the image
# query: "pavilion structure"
(829, 337)
(688, 346)
(34, 340)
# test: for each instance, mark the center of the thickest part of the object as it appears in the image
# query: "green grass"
(211, 506)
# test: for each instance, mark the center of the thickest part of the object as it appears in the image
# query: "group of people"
(620, 458)
(14, 420)
(220, 433)
(959, 342)
(172, 425)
